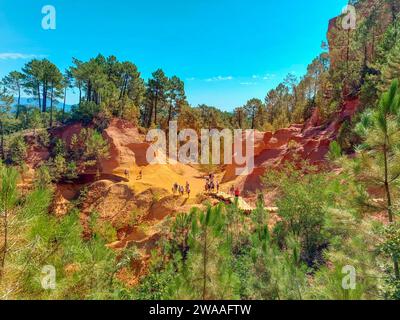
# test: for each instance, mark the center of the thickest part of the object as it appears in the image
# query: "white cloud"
(191, 79)
(267, 76)
(16, 56)
(219, 78)
(248, 83)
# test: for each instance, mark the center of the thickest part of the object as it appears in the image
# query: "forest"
(335, 232)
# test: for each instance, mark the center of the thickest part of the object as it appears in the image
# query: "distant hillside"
(34, 102)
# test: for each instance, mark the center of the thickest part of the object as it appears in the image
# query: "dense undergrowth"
(321, 229)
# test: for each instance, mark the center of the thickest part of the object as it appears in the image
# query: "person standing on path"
(237, 193)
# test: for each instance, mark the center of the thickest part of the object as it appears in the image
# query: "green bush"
(85, 112)
(17, 150)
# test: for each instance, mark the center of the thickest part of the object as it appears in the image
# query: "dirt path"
(242, 204)
(164, 177)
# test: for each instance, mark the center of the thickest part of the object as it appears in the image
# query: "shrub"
(43, 178)
(303, 209)
(17, 150)
(85, 112)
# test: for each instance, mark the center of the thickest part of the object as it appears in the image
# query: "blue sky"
(226, 51)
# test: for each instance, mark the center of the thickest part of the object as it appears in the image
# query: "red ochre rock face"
(298, 143)
(127, 145)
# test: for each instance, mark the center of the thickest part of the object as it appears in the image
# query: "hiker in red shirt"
(237, 193)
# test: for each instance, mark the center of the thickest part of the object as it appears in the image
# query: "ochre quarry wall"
(298, 143)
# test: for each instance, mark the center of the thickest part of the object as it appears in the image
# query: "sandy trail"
(164, 176)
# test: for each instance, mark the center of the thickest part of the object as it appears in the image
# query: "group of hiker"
(212, 184)
(178, 189)
(127, 175)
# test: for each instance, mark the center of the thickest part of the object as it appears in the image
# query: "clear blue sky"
(226, 51)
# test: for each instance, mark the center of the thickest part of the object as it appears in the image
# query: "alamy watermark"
(349, 20)
(49, 21)
(238, 147)
(48, 277)
(350, 278)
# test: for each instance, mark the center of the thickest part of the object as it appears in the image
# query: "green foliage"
(88, 145)
(84, 269)
(102, 229)
(254, 108)
(335, 151)
(391, 69)
(379, 153)
(207, 273)
(303, 210)
(17, 150)
(352, 244)
(391, 249)
(35, 119)
(85, 112)
(60, 169)
(43, 177)
(8, 188)
(157, 284)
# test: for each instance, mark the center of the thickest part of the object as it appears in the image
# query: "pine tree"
(380, 152)
(391, 70)
(8, 199)
(14, 82)
(254, 109)
(175, 98)
(207, 272)
(5, 120)
(157, 88)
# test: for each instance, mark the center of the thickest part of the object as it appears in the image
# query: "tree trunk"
(19, 95)
(51, 105)
(18, 102)
(150, 116)
(3, 156)
(169, 114)
(38, 93)
(205, 265)
(89, 91)
(393, 9)
(387, 187)
(63, 109)
(123, 89)
(80, 95)
(44, 108)
(396, 268)
(155, 110)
